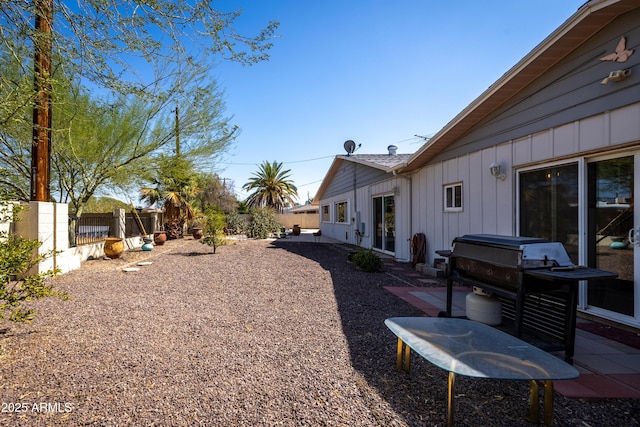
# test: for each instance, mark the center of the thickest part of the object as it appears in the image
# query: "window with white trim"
(326, 214)
(341, 215)
(453, 197)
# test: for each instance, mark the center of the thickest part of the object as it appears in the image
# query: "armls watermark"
(36, 407)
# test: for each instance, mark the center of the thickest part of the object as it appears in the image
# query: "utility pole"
(177, 133)
(41, 142)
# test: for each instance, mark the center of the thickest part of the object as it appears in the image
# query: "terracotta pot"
(159, 237)
(196, 232)
(113, 247)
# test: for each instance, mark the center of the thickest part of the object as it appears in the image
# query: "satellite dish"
(349, 147)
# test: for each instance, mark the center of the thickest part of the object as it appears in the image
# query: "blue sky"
(378, 72)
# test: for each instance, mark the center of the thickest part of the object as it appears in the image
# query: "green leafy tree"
(112, 145)
(236, 223)
(213, 229)
(131, 47)
(243, 208)
(18, 285)
(16, 92)
(271, 187)
(105, 204)
(146, 58)
(215, 193)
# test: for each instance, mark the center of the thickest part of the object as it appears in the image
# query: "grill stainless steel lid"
(525, 252)
(502, 259)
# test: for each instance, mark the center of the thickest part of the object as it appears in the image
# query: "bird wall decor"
(621, 54)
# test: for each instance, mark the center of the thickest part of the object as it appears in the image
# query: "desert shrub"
(17, 284)
(263, 223)
(236, 223)
(367, 260)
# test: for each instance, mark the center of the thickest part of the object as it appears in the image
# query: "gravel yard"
(262, 333)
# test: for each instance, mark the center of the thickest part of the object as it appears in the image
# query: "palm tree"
(272, 188)
(174, 187)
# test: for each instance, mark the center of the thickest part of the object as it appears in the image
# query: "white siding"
(339, 231)
(489, 204)
(400, 187)
(625, 124)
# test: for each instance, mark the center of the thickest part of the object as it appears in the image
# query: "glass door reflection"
(610, 217)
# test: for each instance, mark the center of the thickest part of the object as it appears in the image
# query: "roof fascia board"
(575, 19)
(329, 175)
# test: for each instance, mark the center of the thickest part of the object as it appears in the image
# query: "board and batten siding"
(489, 204)
(400, 188)
(360, 201)
(343, 180)
(333, 229)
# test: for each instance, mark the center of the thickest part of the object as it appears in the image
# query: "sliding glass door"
(384, 218)
(588, 206)
(549, 205)
(611, 233)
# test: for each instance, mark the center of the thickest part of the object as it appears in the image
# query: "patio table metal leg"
(403, 361)
(451, 384)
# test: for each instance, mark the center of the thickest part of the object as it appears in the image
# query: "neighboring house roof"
(587, 21)
(303, 208)
(384, 162)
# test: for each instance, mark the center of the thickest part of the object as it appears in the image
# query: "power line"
(292, 161)
(309, 183)
(415, 139)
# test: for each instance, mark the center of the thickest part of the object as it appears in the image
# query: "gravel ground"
(262, 333)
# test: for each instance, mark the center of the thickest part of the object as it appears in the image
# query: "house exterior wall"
(400, 188)
(353, 175)
(570, 91)
(489, 204)
(565, 114)
(360, 208)
(343, 232)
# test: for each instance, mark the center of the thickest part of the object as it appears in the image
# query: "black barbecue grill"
(534, 278)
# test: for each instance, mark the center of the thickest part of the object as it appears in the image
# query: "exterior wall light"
(495, 171)
(616, 76)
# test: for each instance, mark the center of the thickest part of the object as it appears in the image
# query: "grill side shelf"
(575, 275)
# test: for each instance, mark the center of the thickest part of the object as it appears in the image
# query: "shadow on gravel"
(191, 253)
(420, 398)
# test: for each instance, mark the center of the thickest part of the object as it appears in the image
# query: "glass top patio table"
(473, 349)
